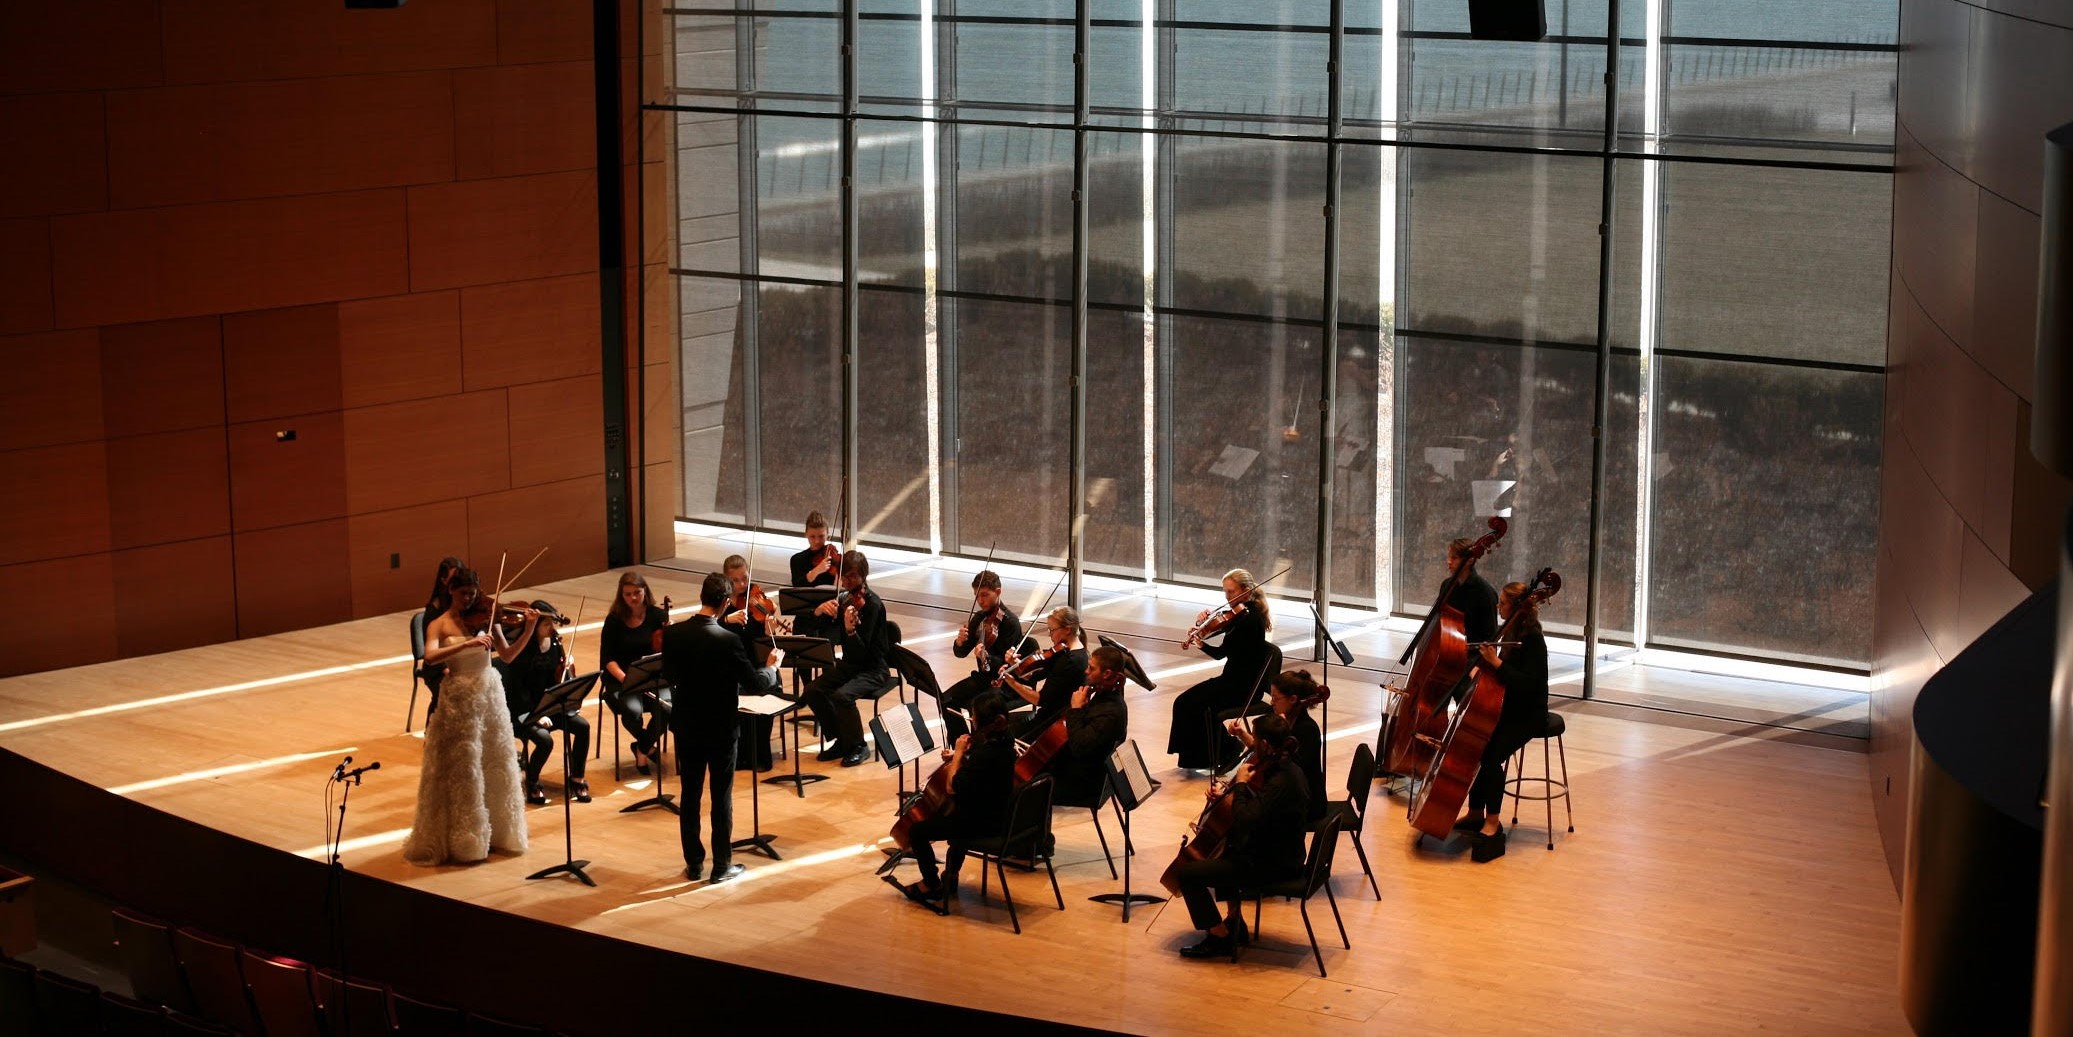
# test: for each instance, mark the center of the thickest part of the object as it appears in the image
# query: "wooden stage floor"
(1715, 882)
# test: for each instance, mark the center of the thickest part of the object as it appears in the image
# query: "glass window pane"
(1251, 64)
(1012, 436)
(1775, 262)
(1766, 518)
(1013, 208)
(1014, 59)
(1248, 217)
(798, 195)
(799, 353)
(894, 481)
(713, 371)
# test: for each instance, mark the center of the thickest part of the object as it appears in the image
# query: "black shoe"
(935, 900)
(640, 757)
(856, 756)
(1467, 825)
(832, 753)
(1486, 848)
(694, 872)
(1209, 947)
(581, 789)
(728, 873)
(534, 795)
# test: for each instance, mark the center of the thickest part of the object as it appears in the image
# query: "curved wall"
(1968, 521)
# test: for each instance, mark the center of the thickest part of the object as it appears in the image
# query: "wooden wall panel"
(292, 577)
(557, 430)
(188, 144)
(275, 482)
(567, 518)
(88, 46)
(174, 596)
(421, 536)
(487, 231)
(2021, 88)
(2004, 311)
(530, 331)
(404, 454)
(407, 347)
(53, 502)
(168, 486)
(1935, 218)
(662, 492)
(543, 30)
(513, 120)
(43, 637)
(25, 285)
(163, 376)
(281, 362)
(51, 393)
(233, 40)
(57, 158)
(120, 267)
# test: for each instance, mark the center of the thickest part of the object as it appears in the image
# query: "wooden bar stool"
(1549, 788)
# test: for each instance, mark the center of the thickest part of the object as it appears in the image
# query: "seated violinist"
(982, 782)
(1061, 669)
(737, 617)
(987, 636)
(541, 664)
(1095, 723)
(1264, 843)
(1290, 697)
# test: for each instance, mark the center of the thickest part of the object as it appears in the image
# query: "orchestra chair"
(1104, 797)
(18, 999)
(1352, 812)
(369, 1004)
(1317, 874)
(416, 1018)
(180, 1024)
(1026, 837)
(146, 947)
(417, 668)
(1549, 789)
(67, 1005)
(215, 979)
(128, 1017)
(282, 995)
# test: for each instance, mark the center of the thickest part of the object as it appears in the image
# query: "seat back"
(127, 1017)
(18, 999)
(215, 980)
(416, 1018)
(1324, 845)
(417, 638)
(1028, 831)
(351, 1008)
(66, 1005)
(1360, 782)
(147, 957)
(281, 996)
(484, 1026)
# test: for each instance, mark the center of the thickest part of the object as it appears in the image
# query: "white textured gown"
(469, 800)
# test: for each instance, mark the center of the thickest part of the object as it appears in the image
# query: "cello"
(1459, 754)
(1441, 646)
(1046, 745)
(1212, 829)
(934, 798)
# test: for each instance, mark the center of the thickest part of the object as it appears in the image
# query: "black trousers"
(1206, 884)
(833, 699)
(945, 830)
(643, 716)
(1486, 793)
(540, 743)
(701, 764)
(1196, 737)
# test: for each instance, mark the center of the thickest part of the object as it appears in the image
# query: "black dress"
(1195, 735)
(643, 717)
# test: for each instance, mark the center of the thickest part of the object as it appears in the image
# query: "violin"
(1027, 666)
(479, 615)
(1215, 622)
(1211, 832)
(655, 642)
(989, 628)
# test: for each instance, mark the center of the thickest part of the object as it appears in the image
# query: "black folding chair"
(1352, 812)
(417, 668)
(1026, 837)
(1317, 874)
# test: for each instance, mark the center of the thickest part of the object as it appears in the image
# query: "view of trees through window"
(1743, 297)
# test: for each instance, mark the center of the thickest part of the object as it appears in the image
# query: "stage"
(1716, 880)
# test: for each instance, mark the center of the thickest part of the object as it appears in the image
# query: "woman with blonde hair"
(1196, 736)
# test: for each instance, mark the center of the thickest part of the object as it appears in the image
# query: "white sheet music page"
(899, 727)
(1133, 770)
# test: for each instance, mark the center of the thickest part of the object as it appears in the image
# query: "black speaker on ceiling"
(1521, 20)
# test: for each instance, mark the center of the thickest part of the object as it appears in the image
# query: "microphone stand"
(334, 892)
(1338, 648)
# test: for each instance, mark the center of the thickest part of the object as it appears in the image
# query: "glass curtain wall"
(910, 202)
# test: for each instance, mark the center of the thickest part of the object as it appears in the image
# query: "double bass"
(1442, 662)
(1212, 829)
(1459, 753)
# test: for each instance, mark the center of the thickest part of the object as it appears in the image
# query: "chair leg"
(1549, 802)
(1363, 855)
(411, 710)
(1304, 907)
(1103, 836)
(1009, 897)
(984, 877)
(1518, 781)
(1334, 901)
(1055, 895)
(1567, 810)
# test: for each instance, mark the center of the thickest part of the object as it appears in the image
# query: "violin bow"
(975, 600)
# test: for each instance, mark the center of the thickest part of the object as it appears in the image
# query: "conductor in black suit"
(707, 666)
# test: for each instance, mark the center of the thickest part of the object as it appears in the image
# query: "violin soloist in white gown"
(469, 800)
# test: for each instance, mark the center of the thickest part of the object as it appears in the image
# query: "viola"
(1459, 754)
(1027, 666)
(655, 642)
(1441, 665)
(1211, 832)
(755, 603)
(989, 628)
(1216, 622)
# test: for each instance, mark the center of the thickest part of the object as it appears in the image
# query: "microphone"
(354, 774)
(338, 772)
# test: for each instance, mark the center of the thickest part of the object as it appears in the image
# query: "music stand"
(773, 706)
(902, 737)
(1131, 784)
(800, 653)
(1338, 648)
(561, 700)
(793, 601)
(644, 677)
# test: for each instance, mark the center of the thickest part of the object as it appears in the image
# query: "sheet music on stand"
(1133, 783)
(902, 736)
(768, 705)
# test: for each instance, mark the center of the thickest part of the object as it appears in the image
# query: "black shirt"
(1244, 649)
(1007, 634)
(1310, 757)
(528, 677)
(1267, 825)
(1063, 675)
(985, 782)
(1524, 675)
(803, 562)
(864, 647)
(625, 645)
(1477, 602)
(1092, 732)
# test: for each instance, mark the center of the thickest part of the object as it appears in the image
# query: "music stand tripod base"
(566, 698)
